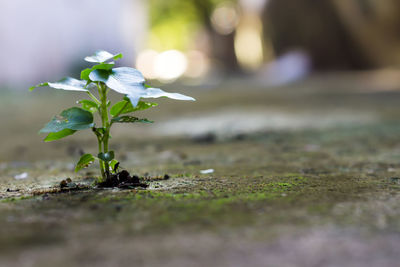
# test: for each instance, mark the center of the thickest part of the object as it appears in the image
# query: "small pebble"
(63, 184)
(21, 176)
(12, 190)
(208, 171)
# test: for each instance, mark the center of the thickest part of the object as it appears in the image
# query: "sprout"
(101, 78)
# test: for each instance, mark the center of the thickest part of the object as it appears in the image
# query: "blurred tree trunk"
(315, 27)
(222, 46)
(375, 25)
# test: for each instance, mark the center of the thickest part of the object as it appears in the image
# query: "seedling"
(101, 78)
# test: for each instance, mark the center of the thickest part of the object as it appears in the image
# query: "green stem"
(99, 142)
(94, 98)
(103, 173)
(105, 123)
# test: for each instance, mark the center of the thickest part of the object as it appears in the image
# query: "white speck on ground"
(208, 171)
(21, 176)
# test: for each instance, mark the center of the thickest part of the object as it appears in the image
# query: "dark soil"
(123, 180)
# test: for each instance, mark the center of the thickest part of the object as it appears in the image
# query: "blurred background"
(199, 41)
(270, 64)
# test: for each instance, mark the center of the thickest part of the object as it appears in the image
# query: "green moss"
(15, 199)
(271, 183)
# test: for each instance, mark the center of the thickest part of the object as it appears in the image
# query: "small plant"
(103, 77)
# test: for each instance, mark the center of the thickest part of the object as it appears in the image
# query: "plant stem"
(94, 98)
(105, 123)
(103, 174)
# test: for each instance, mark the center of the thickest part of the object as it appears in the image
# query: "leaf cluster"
(102, 77)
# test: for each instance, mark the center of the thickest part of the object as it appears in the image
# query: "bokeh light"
(145, 63)
(225, 18)
(198, 64)
(248, 43)
(170, 65)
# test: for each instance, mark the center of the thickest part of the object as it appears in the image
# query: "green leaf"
(73, 119)
(84, 162)
(59, 135)
(125, 106)
(102, 66)
(157, 92)
(118, 77)
(124, 80)
(100, 75)
(107, 157)
(130, 82)
(38, 85)
(85, 74)
(129, 119)
(102, 56)
(89, 105)
(113, 163)
(67, 83)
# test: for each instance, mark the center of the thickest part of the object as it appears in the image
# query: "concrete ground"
(306, 174)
